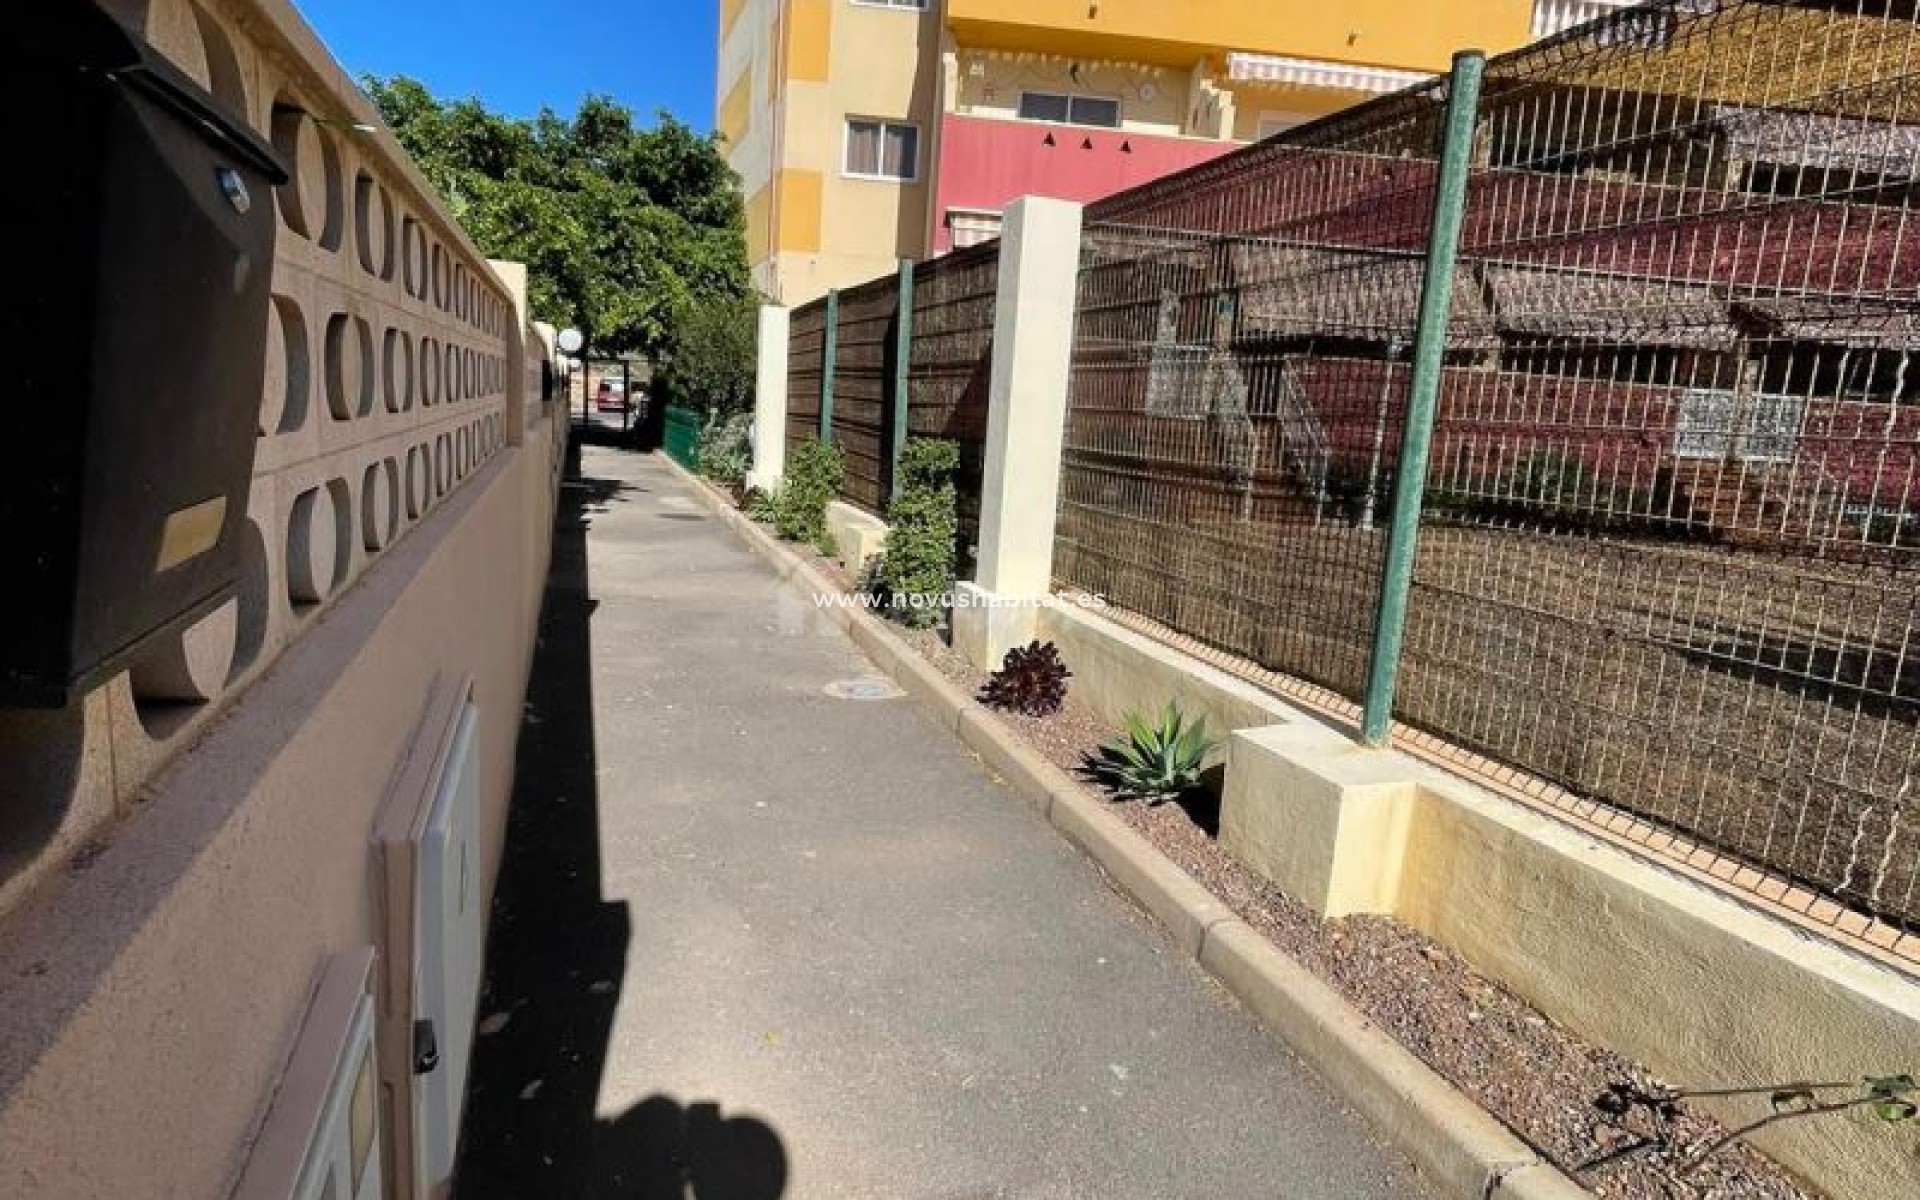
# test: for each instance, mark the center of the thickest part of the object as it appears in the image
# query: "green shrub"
(762, 505)
(814, 473)
(924, 528)
(725, 449)
(1155, 762)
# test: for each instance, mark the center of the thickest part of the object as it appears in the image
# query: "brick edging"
(1458, 1146)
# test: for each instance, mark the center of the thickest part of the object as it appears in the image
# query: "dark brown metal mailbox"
(135, 333)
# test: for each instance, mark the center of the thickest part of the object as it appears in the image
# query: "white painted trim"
(914, 6)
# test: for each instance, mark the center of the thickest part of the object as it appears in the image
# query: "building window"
(1715, 424)
(1272, 124)
(1070, 110)
(972, 226)
(882, 150)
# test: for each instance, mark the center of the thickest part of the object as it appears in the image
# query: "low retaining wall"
(1702, 987)
(857, 535)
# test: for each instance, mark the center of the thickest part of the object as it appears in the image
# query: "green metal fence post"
(902, 363)
(1430, 345)
(829, 349)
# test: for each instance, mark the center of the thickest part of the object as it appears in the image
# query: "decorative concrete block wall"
(180, 851)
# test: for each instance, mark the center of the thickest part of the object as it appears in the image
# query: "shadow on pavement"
(556, 961)
(659, 1150)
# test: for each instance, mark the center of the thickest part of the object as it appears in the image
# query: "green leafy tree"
(711, 363)
(629, 234)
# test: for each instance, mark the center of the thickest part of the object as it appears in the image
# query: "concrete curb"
(1457, 1145)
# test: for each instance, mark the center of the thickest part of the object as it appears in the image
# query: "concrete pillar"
(1026, 418)
(770, 399)
(521, 408)
(1326, 820)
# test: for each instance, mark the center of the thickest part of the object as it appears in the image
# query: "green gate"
(682, 439)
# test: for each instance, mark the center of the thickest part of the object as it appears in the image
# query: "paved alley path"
(781, 944)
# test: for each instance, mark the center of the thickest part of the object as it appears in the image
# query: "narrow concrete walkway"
(756, 941)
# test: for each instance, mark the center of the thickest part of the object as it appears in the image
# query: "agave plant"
(1032, 679)
(1155, 762)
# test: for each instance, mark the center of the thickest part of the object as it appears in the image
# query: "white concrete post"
(770, 399)
(1026, 419)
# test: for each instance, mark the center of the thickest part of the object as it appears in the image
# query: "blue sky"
(518, 56)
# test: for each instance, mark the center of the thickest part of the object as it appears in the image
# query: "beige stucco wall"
(1252, 101)
(189, 867)
(1706, 990)
(1152, 99)
(1117, 671)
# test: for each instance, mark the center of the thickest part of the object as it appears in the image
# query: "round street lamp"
(569, 342)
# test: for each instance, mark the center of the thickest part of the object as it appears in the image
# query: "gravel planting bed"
(1535, 1076)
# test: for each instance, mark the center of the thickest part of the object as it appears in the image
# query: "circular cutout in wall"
(379, 505)
(438, 274)
(312, 547)
(397, 378)
(372, 226)
(419, 483)
(255, 582)
(303, 198)
(430, 364)
(413, 258)
(287, 386)
(191, 665)
(349, 367)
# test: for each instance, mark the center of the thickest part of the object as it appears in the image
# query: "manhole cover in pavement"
(863, 689)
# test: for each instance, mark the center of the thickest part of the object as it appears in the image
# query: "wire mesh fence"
(1671, 519)
(951, 364)
(1215, 476)
(1670, 531)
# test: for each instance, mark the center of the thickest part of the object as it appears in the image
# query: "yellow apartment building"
(865, 131)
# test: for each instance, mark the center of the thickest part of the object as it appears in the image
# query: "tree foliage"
(713, 353)
(626, 232)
